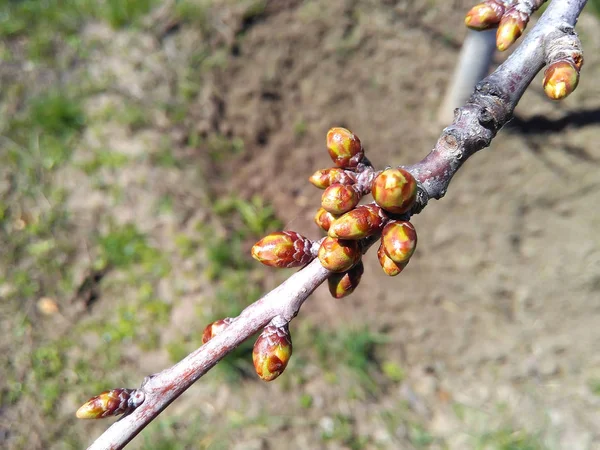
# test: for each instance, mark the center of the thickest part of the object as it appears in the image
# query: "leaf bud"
(272, 351)
(395, 190)
(215, 328)
(283, 249)
(399, 239)
(389, 267)
(343, 284)
(339, 198)
(344, 147)
(111, 403)
(363, 221)
(324, 219)
(560, 79)
(339, 255)
(326, 177)
(484, 15)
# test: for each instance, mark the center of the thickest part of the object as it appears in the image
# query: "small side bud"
(560, 79)
(324, 219)
(326, 177)
(111, 403)
(344, 147)
(215, 328)
(359, 223)
(395, 190)
(339, 198)
(511, 27)
(339, 255)
(283, 249)
(399, 239)
(389, 267)
(272, 351)
(343, 284)
(485, 15)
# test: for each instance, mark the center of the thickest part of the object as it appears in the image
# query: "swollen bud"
(111, 403)
(399, 240)
(272, 351)
(389, 267)
(359, 223)
(344, 147)
(339, 198)
(326, 177)
(339, 255)
(343, 284)
(485, 15)
(560, 79)
(215, 328)
(511, 27)
(324, 219)
(283, 249)
(395, 190)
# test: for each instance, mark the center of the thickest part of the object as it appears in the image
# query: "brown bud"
(272, 352)
(324, 219)
(389, 267)
(283, 249)
(511, 27)
(560, 79)
(339, 255)
(344, 147)
(111, 403)
(215, 328)
(363, 221)
(339, 198)
(395, 190)
(399, 239)
(326, 177)
(343, 284)
(485, 15)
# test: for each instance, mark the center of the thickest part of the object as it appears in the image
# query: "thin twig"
(474, 126)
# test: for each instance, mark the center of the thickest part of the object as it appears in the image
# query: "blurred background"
(145, 145)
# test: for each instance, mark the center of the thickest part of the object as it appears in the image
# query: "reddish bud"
(560, 79)
(111, 403)
(511, 27)
(389, 267)
(395, 190)
(215, 328)
(363, 221)
(272, 352)
(399, 239)
(283, 249)
(343, 284)
(339, 255)
(485, 15)
(324, 219)
(344, 147)
(326, 177)
(339, 198)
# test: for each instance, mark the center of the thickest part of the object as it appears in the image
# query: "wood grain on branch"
(474, 126)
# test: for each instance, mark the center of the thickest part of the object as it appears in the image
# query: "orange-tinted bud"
(324, 219)
(339, 198)
(395, 190)
(389, 267)
(560, 79)
(344, 147)
(326, 177)
(215, 328)
(111, 403)
(339, 255)
(272, 352)
(343, 284)
(363, 221)
(283, 249)
(511, 27)
(399, 239)
(485, 15)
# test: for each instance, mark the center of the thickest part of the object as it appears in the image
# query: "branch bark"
(475, 125)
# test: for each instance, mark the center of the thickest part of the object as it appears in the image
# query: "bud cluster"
(510, 16)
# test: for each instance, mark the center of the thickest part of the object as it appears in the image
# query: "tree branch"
(474, 126)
